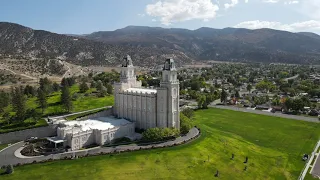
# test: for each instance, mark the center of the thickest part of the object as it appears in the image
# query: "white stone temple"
(148, 108)
(134, 107)
(100, 131)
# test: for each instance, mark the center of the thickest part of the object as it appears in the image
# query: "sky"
(87, 16)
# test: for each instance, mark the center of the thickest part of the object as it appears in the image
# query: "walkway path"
(301, 118)
(8, 156)
(63, 116)
(316, 168)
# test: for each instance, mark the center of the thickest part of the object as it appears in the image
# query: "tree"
(223, 96)
(42, 100)
(29, 91)
(93, 84)
(83, 87)
(45, 85)
(64, 82)
(188, 112)
(249, 87)
(65, 98)
(55, 87)
(237, 95)
(4, 100)
(99, 86)
(19, 103)
(201, 99)
(209, 99)
(195, 85)
(185, 124)
(6, 117)
(109, 88)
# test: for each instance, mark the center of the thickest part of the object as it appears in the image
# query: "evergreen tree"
(249, 87)
(45, 85)
(224, 96)
(83, 87)
(42, 100)
(29, 91)
(55, 87)
(65, 98)
(109, 88)
(64, 82)
(237, 95)
(19, 103)
(4, 100)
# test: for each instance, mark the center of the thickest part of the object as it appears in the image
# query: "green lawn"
(274, 147)
(2, 146)
(81, 102)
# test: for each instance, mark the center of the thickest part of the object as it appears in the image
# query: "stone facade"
(102, 130)
(148, 108)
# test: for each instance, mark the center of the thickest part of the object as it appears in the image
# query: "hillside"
(229, 44)
(149, 46)
(19, 42)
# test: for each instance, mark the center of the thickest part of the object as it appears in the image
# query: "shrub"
(158, 134)
(188, 112)
(9, 169)
(185, 124)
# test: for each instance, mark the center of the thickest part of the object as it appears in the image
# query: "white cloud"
(291, 2)
(284, 1)
(298, 26)
(141, 15)
(231, 4)
(170, 11)
(246, 1)
(270, 1)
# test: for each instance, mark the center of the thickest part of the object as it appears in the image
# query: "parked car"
(31, 139)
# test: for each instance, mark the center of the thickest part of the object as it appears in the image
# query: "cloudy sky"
(86, 16)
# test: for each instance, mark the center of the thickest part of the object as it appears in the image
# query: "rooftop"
(141, 90)
(101, 123)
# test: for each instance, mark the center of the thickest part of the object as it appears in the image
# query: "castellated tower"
(168, 97)
(127, 80)
(147, 107)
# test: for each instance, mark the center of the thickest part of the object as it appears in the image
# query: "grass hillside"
(273, 145)
(81, 102)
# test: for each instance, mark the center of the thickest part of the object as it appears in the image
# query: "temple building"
(134, 107)
(146, 107)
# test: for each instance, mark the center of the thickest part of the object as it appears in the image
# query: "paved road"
(316, 166)
(301, 118)
(7, 155)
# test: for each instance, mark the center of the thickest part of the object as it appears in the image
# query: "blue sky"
(86, 16)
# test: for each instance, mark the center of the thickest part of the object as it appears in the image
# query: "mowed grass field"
(80, 102)
(273, 145)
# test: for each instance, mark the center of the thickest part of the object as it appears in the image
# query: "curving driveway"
(11, 155)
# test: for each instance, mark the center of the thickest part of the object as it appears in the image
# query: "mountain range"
(149, 46)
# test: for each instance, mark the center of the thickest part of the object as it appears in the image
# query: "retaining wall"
(107, 112)
(40, 132)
